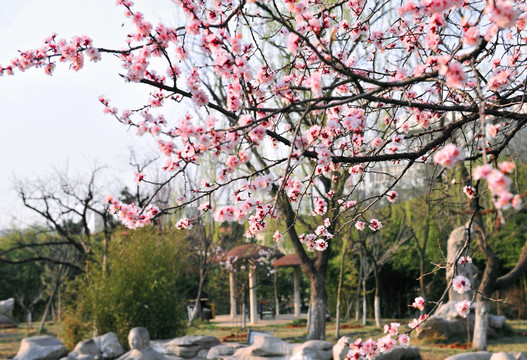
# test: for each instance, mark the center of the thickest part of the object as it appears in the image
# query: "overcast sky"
(50, 122)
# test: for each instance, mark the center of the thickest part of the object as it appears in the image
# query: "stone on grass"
(41, 348)
(496, 321)
(272, 348)
(440, 329)
(109, 346)
(508, 356)
(341, 349)
(84, 350)
(401, 353)
(7, 321)
(185, 347)
(478, 355)
(220, 351)
(7, 306)
(313, 349)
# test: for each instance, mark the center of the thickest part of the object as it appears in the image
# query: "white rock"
(186, 346)
(496, 321)
(479, 355)
(508, 356)
(341, 348)
(400, 352)
(109, 346)
(7, 306)
(84, 350)
(41, 348)
(220, 351)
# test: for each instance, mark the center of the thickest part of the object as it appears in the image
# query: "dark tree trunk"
(317, 305)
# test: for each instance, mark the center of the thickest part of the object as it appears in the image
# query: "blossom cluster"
(499, 183)
(132, 215)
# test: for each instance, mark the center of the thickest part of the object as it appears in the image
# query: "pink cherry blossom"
(471, 36)
(184, 224)
(375, 225)
(481, 172)
(464, 260)
(461, 284)
(498, 182)
(499, 80)
(463, 308)
(419, 303)
(359, 225)
(502, 13)
(404, 340)
(469, 191)
(321, 245)
(448, 156)
(139, 176)
(392, 328)
(507, 167)
(392, 196)
(386, 344)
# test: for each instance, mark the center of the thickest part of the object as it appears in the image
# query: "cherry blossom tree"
(315, 106)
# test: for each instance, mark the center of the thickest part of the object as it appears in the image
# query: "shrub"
(141, 287)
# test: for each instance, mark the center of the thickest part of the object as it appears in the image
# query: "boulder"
(272, 348)
(341, 348)
(265, 346)
(223, 350)
(313, 349)
(496, 322)
(109, 346)
(401, 353)
(479, 355)
(508, 356)
(7, 321)
(41, 348)
(7, 306)
(448, 311)
(185, 347)
(455, 244)
(84, 350)
(440, 329)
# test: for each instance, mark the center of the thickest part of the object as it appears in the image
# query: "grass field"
(516, 341)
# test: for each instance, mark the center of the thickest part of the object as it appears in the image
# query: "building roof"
(288, 260)
(249, 251)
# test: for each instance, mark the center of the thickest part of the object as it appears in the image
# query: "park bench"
(268, 313)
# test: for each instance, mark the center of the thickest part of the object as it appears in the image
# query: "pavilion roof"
(249, 251)
(288, 260)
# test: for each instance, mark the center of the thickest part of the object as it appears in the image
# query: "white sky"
(48, 122)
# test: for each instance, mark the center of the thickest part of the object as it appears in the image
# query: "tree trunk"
(377, 308)
(50, 301)
(357, 306)
(364, 303)
(422, 275)
(59, 307)
(276, 301)
(339, 290)
(481, 324)
(197, 306)
(377, 299)
(317, 305)
(348, 310)
(337, 320)
(232, 289)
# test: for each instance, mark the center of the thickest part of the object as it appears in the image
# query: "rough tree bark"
(490, 281)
